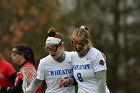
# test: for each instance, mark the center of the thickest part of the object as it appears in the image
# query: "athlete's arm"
(12, 78)
(17, 88)
(101, 77)
(33, 86)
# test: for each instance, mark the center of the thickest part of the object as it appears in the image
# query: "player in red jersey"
(7, 75)
(23, 56)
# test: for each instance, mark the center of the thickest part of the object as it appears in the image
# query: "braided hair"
(83, 32)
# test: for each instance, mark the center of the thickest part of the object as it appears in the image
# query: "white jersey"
(84, 70)
(52, 71)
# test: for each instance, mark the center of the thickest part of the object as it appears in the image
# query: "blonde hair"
(84, 33)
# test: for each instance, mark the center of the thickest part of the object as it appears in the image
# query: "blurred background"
(114, 25)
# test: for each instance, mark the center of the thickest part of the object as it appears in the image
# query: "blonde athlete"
(54, 67)
(89, 66)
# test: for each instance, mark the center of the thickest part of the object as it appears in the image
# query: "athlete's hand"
(64, 81)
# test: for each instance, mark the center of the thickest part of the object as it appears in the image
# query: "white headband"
(53, 40)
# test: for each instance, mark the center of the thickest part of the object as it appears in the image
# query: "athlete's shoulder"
(28, 63)
(69, 52)
(97, 54)
(28, 66)
(4, 62)
(95, 51)
(45, 60)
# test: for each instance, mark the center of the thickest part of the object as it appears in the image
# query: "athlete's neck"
(61, 58)
(83, 53)
(22, 63)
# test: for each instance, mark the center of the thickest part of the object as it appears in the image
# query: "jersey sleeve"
(41, 71)
(29, 73)
(100, 63)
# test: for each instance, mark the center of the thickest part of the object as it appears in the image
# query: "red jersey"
(27, 71)
(6, 70)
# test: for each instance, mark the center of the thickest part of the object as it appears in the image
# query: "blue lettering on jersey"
(80, 67)
(60, 72)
